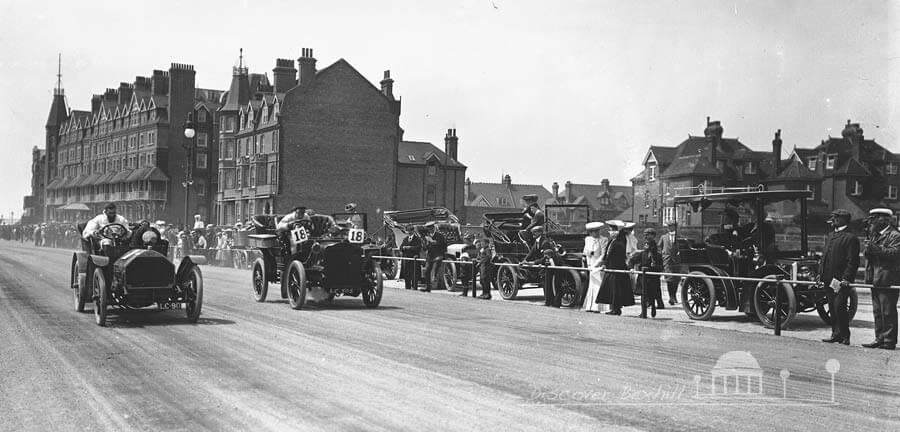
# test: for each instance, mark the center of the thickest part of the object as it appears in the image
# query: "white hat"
(615, 223)
(881, 211)
(629, 225)
(160, 222)
(591, 226)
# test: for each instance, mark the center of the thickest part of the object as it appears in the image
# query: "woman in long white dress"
(594, 248)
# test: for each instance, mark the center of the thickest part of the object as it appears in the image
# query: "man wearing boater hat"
(839, 263)
(882, 253)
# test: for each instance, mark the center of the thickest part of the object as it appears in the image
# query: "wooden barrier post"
(644, 292)
(415, 274)
(472, 274)
(777, 311)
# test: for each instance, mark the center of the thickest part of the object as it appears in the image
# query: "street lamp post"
(189, 133)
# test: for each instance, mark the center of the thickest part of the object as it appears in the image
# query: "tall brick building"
(319, 138)
(128, 149)
(33, 204)
(429, 177)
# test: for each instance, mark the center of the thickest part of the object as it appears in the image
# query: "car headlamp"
(149, 237)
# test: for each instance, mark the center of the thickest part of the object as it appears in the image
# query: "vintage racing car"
(134, 272)
(398, 221)
(317, 260)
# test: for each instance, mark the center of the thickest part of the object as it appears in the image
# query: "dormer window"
(811, 163)
(857, 188)
(651, 172)
(750, 168)
(432, 169)
(830, 161)
(265, 115)
(201, 116)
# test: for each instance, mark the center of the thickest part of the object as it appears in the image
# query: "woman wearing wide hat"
(615, 289)
(594, 249)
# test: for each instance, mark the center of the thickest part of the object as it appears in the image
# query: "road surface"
(419, 362)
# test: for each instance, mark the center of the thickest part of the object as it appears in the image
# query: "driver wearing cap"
(109, 216)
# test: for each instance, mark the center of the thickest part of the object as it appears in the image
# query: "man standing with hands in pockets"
(838, 270)
(882, 260)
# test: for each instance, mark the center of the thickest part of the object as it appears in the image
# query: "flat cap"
(530, 197)
(881, 211)
(840, 213)
(591, 226)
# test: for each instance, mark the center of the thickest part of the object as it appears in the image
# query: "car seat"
(321, 225)
(85, 244)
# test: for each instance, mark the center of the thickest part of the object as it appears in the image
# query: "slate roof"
(664, 155)
(796, 170)
(490, 192)
(697, 165)
(852, 167)
(590, 194)
(420, 151)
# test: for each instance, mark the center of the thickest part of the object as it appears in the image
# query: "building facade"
(318, 138)
(33, 204)
(482, 197)
(128, 149)
(606, 201)
(429, 177)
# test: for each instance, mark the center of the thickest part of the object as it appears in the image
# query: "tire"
(259, 280)
(764, 303)
(824, 310)
(390, 268)
(449, 276)
(295, 284)
(698, 296)
(77, 283)
(372, 296)
(507, 282)
(193, 291)
(101, 290)
(568, 282)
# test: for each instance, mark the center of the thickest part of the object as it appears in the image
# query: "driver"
(297, 214)
(109, 216)
(532, 212)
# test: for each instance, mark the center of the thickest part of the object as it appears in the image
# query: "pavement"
(421, 361)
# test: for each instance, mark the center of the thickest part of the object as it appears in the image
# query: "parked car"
(319, 259)
(565, 226)
(396, 222)
(134, 272)
(767, 240)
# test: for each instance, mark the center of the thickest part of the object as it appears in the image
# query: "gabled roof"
(694, 145)
(663, 155)
(490, 192)
(417, 153)
(852, 167)
(795, 170)
(697, 165)
(591, 194)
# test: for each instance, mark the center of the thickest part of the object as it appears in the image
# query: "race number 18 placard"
(357, 235)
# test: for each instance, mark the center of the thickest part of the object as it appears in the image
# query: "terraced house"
(130, 149)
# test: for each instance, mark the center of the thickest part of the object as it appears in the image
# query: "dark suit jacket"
(883, 258)
(411, 246)
(841, 258)
(437, 247)
(537, 250)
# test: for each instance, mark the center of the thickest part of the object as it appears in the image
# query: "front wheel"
(507, 282)
(372, 296)
(193, 292)
(101, 293)
(764, 301)
(78, 284)
(698, 297)
(260, 282)
(390, 268)
(296, 284)
(824, 309)
(449, 276)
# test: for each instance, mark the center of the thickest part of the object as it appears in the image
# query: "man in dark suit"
(435, 248)
(532, 213)
(410, 248)
(882, 260)
(839, 262)
(668, 247)
(540, 247)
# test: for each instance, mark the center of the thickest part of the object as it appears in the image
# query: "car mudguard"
(185, 266)
(99, 260)
(732, 296)
(81, 261)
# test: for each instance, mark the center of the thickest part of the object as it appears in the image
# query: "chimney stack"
(467, 187)
(96, 101)
(569, 193)
(307, 66)
(125, 91)
(507, 180)
(159, 83)
(387, 85)
(451, 142)
(776, 151)
(284, 75)
(713, 133)
(604, 185)
(555, 191)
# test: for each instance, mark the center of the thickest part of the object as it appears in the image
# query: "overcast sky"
(544, 91)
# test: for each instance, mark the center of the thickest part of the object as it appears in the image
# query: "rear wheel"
(101, 291)
(567, 283)
(260, 282)
(698, 297)
(824, 309)
(193, 292)
(764, 301)
(295, 284)
(77, 283)
(450, 276)
(507, 282)
(372, 295)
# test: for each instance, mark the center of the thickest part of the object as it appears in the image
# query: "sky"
(543, 91)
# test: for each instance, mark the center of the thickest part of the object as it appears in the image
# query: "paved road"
(420, 362)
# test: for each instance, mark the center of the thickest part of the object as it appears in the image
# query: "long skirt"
(590, 305)
(615, 290)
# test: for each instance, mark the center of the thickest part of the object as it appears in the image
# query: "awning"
(104, 178)
(156, 174)
(75, 207)
(55, 183)
(76, 182)
(64, 183)
(91, 179)
(138, 174)
(120, 176)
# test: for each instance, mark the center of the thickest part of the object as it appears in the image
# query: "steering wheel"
(119, 233)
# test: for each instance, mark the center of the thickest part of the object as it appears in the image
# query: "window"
(230, 124)
(201, 187)
(143, 141)
(813, 190)
(502, 201)
(890, 168)
(749, 168)
(262, 144)
(432, 169)
(201, 160)
(430, 193)
(273, 174)
(201, 116)
(654, 207)
(252, 176)
(201, 139)
(651, 172)
(669, 213)
(857, 188)
(275, 141)
(892, 192)
(811, 162)
(229, 149)
(830, 161)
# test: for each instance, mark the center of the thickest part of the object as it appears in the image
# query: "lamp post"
(188, 145)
